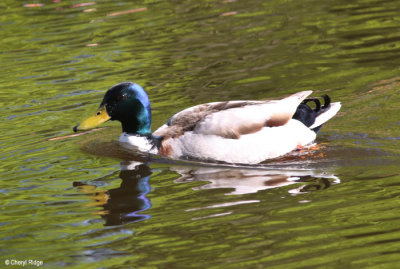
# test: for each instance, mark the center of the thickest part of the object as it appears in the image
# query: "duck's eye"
(122, 97)
(109, 109)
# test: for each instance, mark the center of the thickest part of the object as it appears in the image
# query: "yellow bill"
(93, 121)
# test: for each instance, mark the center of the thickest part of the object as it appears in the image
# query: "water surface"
(84, 202)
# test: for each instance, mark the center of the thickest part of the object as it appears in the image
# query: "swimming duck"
(246, 132)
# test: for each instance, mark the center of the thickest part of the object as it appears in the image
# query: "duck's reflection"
(244, 181)
(128, 202)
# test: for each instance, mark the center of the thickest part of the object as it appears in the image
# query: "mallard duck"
(246, 132)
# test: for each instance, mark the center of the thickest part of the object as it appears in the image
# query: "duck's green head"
(126, 102)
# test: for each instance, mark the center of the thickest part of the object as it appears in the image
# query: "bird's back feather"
(232, 119)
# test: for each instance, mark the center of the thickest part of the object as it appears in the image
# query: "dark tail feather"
(307, 115)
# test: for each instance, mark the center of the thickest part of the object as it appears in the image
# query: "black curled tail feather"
(307, 115)
(315, 100)
(327, 103)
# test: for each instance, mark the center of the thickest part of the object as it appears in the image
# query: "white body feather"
(269, 142)
(327, 115)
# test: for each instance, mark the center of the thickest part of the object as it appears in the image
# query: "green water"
(81, 202)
